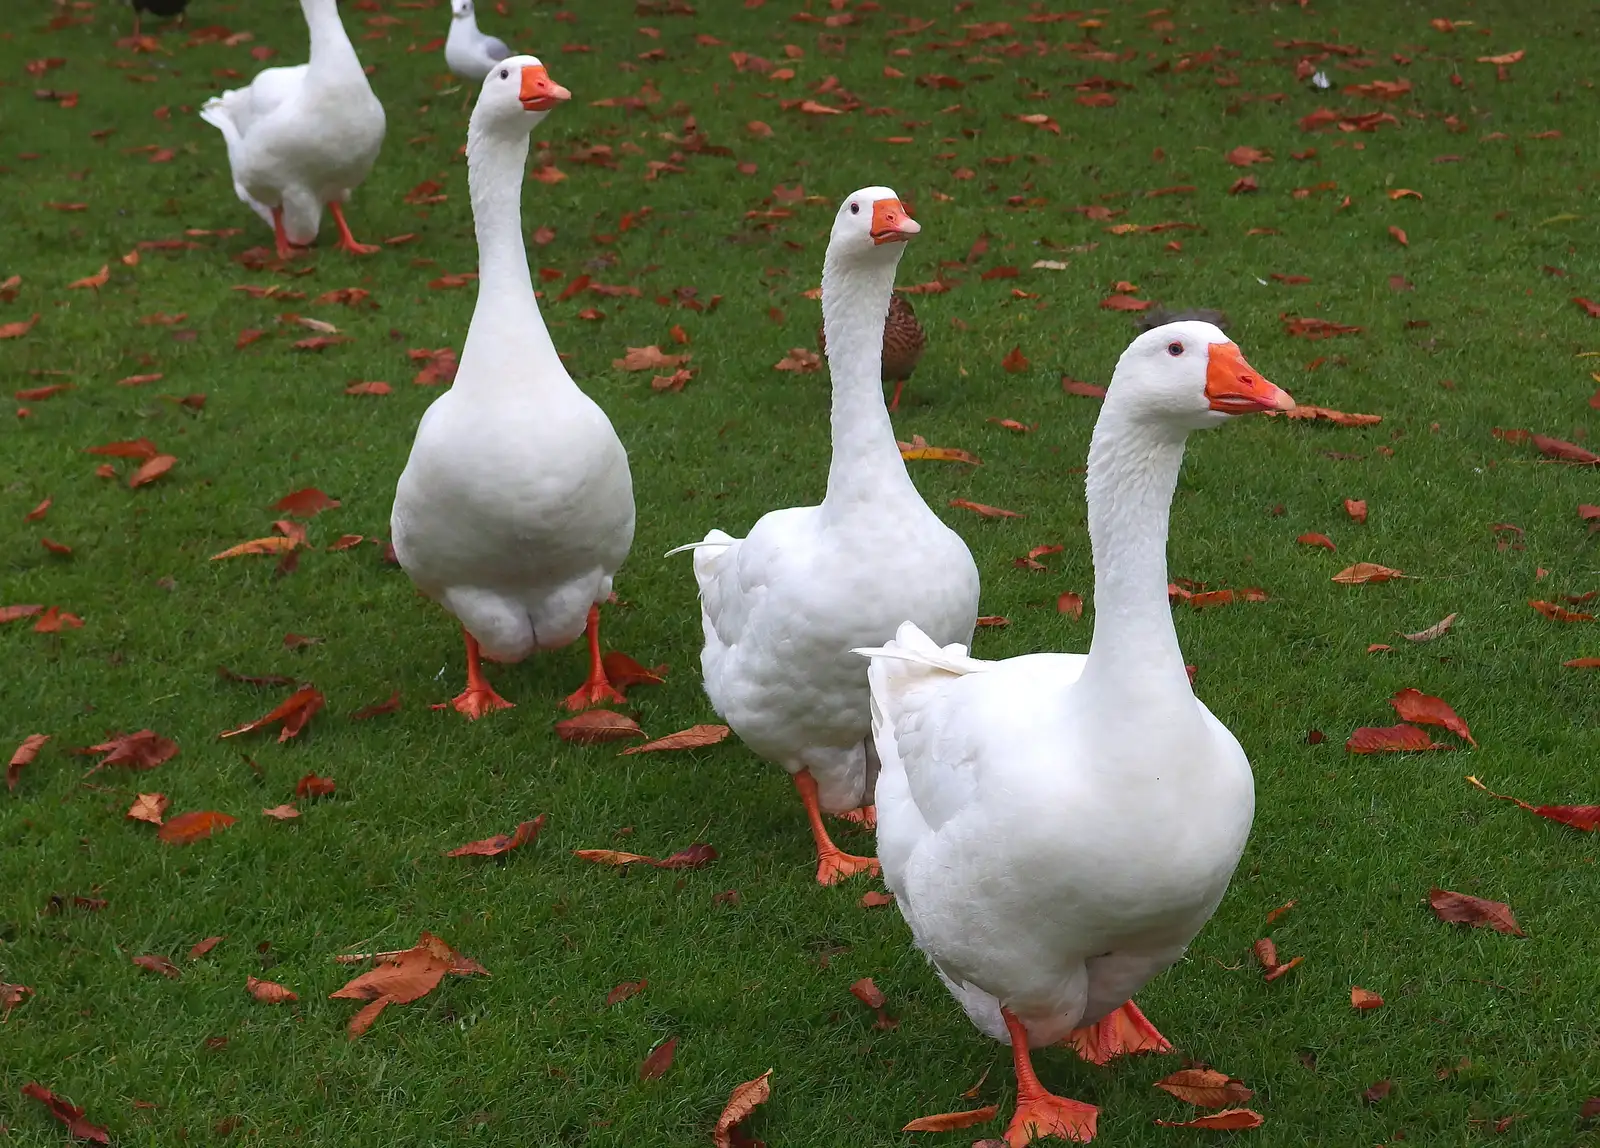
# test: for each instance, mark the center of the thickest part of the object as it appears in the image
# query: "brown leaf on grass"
(441, 366)
(918, 449)
(674, 382)
(1307, 327)
(1205, 1087)
(1463, 909)
(294, 712)
(695, 737)
(501, 843)
(1228, 1120)
(305, 503)
(1564, 451)
(10, 997)
(799, 360)
(15, 613)
(867, 993)
(650, 358)
(1399, 236)
(1244, 184)
(696, 856)
(1582, 664)
(155, 963)
(38, 512)
(875, 900)
(1070, 604)
(143, 750)
(151, 807)
(597, 725)
(151, 470)
(277, 544)
(1437, 630)
(1415, 706)
(1327, 414)
(985, 511)
(1505, 59)
(187, 828)
(1364, 572)
(1391, 739)
(404, 976)
(311, 786)
(623, 991)
(1125, 303)
(346, 541)
(371, 388)
(201, 948)
(1560, 613)
(1266, 954)
(24, 755)
(1281, 910)
(284, 812)
(1015, 361)
(660, 1059)
(19, 328)
(1081, 389)
(623, 671)
(378, 709)
(99, 279)
(141, 448)
(1363, 999)
(78, 1126)
(55, 619)
(1356, 509)
(1313, 539)
(269, 992)
(1245, 156)
(742, 1101)
(950, 1121)
(1581, 817)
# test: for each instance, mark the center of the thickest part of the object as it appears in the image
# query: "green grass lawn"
(1481, 333)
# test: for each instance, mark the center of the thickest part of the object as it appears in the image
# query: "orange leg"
(1123, 1032)
(597, 688)
(285, 250)
(1040, 1112)
(894, 403)
(479, 698)
(347, 242)
(867, 815)
(833, 863)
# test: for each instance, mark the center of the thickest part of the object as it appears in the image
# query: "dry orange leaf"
(1438, 630)
(1070, 604)
(918, 449)
(1416, 706)
(55, 619)
(800, 360)
(1399, 236)
(696, 856)
(1462, 909)
(1582, 817)
(1313, 539)
(985, 511)
(1391, 739)
(313, 786)
(742, 1101)
(502, 842)
(660, 1059)
(372, 388)
(97, 280)
(274, 545)
(187, 828)
(1327, 414)
(625, 990)
(1205, 1087)
(151, 470)
(1363, 572)
(1560, 613)
(19, 328)
(268, 992)
(949, 1121)
(305, 503)
(78, 1126)
(650, 358)
(695, 737)
(294, 712)
(597, 725)
(1015, 361)
(151, 807)
(26, 752)
(201, 948)
(284, 812)
(623, 671)
(875, 900)
(378, 710)
(1229, 1120)
(155, 963)
(1356, 508)
(1364, 999)
(143, 750)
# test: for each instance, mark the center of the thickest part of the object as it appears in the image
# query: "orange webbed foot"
(866, 815)
(355, 248)
(835, 866)
(594, 692)
(476, 702)
(1124, 1032)
(1047, 1114)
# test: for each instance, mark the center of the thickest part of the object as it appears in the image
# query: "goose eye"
(1174, 349)
(505, 74)
(855, 209)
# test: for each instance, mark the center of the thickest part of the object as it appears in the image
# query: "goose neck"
(332, 54)
(866, 465)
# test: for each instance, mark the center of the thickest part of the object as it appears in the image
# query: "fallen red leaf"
(1306, 327)
(26, 752)
(268, 992)
(143, 750)
(305, 503)
(1311, 539)
(1437, 630)
(696, 856)
(201, 948)
(652, 358)
(1205, 1087)
(151, 807)
(742, 1101)
(69, 1114)
(660, 1059)
(1582, 817)
(875, 900)
(15, 613)
(1378, 1091)
(141, 448)
(625, 990)
(950, 1121)
(985, 511)
(1356, 509)
(1070, 604)
(277, 544)
(1399, 236)
(1364, 999)
(1462, 909)
(799, 360)
(1560, 613)
(597, 725)
(378, 710)
(1015, 361)
(867, 993)
(1125, 303)
(294, 712)
(284, 812)
(695, 737)
(1391, 739)
(1565, 451)
(1338, 418)
(623, 671)
(501, 843)
(1363, 572)
(187, 828)
(1416, 706)
(1081, 389)
(372, 388)
(1229, 1120)
(97, 280)
(156, 963)
(151, 470)
(313, 786)
(1286, 906)
(55, 619)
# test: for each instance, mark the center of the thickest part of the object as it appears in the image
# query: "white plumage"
(302, 137)
(468, 52)
(1058, 827)
(782, 607)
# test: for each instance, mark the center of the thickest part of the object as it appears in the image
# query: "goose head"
(1188, 376)
(517, 94)
(871, 226)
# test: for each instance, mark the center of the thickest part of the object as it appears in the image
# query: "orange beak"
(892, 223)
(539, 92)
(1234, 387)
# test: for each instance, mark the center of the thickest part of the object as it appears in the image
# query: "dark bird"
(156, 8)
(1160, 317)
(903, 341)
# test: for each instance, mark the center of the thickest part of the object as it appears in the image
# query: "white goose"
(303, 136)
(782, 607)
(516, 506)
(468, 52)
(1058, 827)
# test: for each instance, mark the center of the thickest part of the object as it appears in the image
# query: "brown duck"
(903, 340)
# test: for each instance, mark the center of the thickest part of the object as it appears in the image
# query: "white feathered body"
(1040, 855)
(783, 607)
(469, 52)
